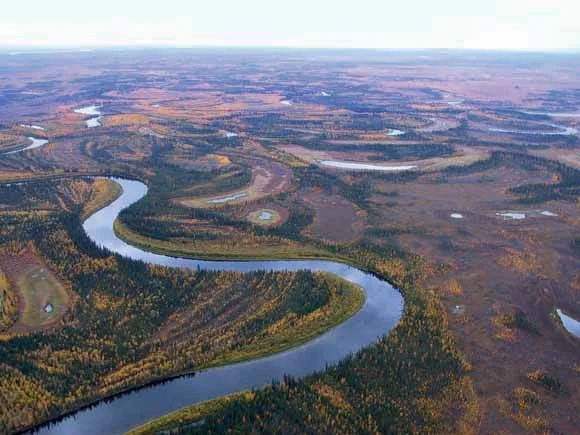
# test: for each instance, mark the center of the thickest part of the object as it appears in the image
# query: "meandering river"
(36, 143)
(559, 130)
(91, 111)
(553, 114)
(380, 313)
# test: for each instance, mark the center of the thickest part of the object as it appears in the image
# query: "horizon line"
(136, 46)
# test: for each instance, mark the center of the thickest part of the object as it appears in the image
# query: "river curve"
(381, 311)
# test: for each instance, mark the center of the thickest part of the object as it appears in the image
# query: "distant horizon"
(90, 48)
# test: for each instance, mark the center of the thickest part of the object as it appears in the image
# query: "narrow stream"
(559, 130)
(36, 143)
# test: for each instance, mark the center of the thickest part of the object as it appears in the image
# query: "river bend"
(381, 311)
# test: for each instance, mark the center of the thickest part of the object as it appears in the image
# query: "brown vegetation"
(166, 126)
(336, 219)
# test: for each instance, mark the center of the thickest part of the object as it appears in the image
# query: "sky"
(536, 25)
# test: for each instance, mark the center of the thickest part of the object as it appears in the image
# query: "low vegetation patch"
(524, 407)
(517, 319)
(103, 192)
(187, 418)
(265, 217)
(42, 299)
(45, 299)
(546, 380)
(336, 219)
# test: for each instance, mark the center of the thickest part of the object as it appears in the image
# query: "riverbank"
(106, 191)
(162, 247)
(36, 143)
(189, 415)
(346, 300)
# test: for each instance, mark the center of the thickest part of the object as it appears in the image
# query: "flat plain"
(476, 220)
